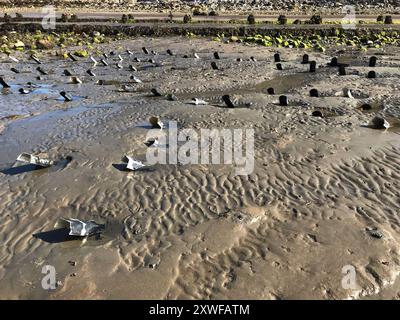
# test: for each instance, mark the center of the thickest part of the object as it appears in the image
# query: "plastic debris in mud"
(94, 61)
(198, 102)
(366, 107)
(13, 59)
(145, 50)
(155, 92)
(279, 66)
(90, 73)
(172, 97)
(67, 97)
(23, 91)
(32, 85)
(81, 228)
(271, 90)
(151, 142)
(76, 80)
(305, 59)
(67, 73)
(29, 158)
(36, 59)
(72, 263)
(156, 123)
(313, 66)
(379, 123)
(3, 83)
(101, 82)
(342, 70)
(126, 88)
(14, 70)
(132, 68)
(214, 65)
(135, 79)
(170, 52)
(41, 71)
(228, 101)
(374, 232)
(314, 93)
(216, 55)
(317, 113)
(371, 75)
(347, 93)
(334, 62)
(71, 56)
(133, 164)
(283, 101)
(277, 57)
(372, 61)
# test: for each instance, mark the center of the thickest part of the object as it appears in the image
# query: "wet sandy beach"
(324, 192)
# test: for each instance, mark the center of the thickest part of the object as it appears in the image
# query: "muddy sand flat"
(324, 193)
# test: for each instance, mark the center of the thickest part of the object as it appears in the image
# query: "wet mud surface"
(286, 230)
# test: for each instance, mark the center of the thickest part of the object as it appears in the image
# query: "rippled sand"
(319, 187)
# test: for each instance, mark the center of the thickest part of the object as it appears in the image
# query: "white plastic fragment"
(197, 101)
(125, 88)
(347, 93)
(93, 60)
(134, 164)
(82, 228)
(29, 158)
(13, 59)
(24, 91)
(136, 79)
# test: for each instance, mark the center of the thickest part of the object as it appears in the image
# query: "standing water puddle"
(33, 88)
(39, 89)
(24, 134)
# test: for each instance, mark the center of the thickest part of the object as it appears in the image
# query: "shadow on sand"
(21, 169)
(122, 167)
(55, 236)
